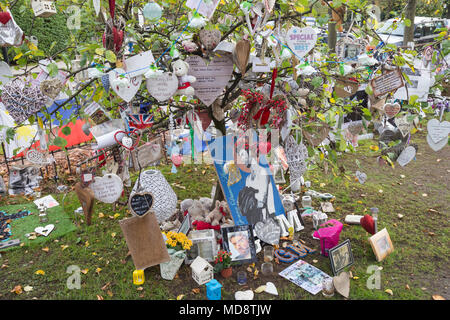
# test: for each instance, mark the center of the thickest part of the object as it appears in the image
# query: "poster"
(253, 196)
(305, 276)
(420, 78)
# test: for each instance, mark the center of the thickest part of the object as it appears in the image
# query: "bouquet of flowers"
(223, 261)
(177, 241)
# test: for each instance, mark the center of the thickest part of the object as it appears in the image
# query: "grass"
(420, 260)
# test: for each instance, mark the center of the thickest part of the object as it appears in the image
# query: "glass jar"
(328, 287)
(268, 253)
(267, 268)
(306, 202)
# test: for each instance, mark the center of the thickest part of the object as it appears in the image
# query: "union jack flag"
(139, 121)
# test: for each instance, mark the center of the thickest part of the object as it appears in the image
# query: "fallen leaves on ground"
(98, 270)
(140, 288)
(99, 297)
(84, 271)
(389, 291)
(64, 247)
(180, 297)
(41, 272)
(438, 297)
(28, 288)
(17, 289)
(196, 290)
(260, 289)
(46, 249)
(101, 215)
(106, 286)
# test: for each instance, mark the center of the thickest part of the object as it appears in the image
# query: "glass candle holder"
(306, 202)
(241, 277)
(267, 268)
(268, 253)
(328, 287)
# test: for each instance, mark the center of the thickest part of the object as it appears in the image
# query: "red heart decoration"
(4, 17)
(138, 137)
(177, 160)
(368, 223)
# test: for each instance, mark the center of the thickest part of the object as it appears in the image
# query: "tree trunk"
(332, 35)
(220, 125)
(410, 14)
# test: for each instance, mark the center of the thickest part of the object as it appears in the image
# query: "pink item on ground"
(328, 235)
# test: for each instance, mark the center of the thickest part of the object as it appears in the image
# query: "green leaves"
(110, 56)
(66, 131)
(60, 142)
(52, 69)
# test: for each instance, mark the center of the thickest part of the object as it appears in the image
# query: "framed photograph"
(349, 49)
(185, 225)
(341, 257)
(240, 242)
(381, 244)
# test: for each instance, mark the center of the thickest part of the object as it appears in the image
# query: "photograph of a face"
(341, 256)
(351, 52)
(239, 241)
(381, 244)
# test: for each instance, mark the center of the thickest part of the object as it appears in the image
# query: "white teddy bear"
(180, 68)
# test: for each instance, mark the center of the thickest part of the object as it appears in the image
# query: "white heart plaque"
(268, 231)
(45, 231)
(438, 131)
(270, 288)
(129, 89)
(162, 86)
(436, 146)
(244, 295)
(127, 142)
(301, 40)
(342, 283)
(406, 156)
(403, 125)
(211, 78)
(108, 188)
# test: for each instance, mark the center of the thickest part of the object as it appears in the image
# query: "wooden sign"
(386, 83)
(162, 86)
(140, 203)
(108, 188)
(301, 40)
(211, 78)
(86, 198)
(345, 88)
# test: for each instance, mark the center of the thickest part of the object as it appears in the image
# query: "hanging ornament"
(112, 7)
(152, 11)
(10, 32)
(234, 175)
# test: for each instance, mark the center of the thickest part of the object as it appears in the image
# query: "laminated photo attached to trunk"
(23, 180)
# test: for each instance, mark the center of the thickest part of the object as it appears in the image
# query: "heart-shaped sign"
(391, 109)
(108, 188)
(270, 288)
(162, 86)
(244, 295)
(301, 40)
(403, 125)
(438, 131)
(342, 284)
(436, 146)
(406, 156)
(36, 157)
(368, 223)
(127, 141)
(212, 78)
(210, 38)
(129, 88)
(45, 231)
(141, 203)
(241, 55)
(268, 231)
(177, 159)
(355, 128)
(361, 176)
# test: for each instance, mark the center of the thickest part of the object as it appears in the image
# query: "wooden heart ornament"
(301, 40)
(127, 141)
(342, 284)
(123, 85)
(86, 198)
(241, 55)
(162, 86)
(210, 38)
(211, 78)
(391, 109)
(368, 224)
(45, 231)
(268, 231)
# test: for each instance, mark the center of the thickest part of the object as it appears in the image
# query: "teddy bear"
(180, 68)
(196, 211)
(216, 216)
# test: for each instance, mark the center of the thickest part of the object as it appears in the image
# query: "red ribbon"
(112, 7)
(272, 85)
(184, 85)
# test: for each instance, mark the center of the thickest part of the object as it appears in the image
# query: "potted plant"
(223, 263)
(177, 244)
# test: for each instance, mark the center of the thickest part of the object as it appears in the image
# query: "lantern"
(202, 271)
(43, 8)
(152, 11)
(213, 290)
(138, 277)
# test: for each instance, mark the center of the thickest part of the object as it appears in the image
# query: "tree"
(409, 27)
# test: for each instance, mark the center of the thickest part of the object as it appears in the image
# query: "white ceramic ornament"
(127, 142)
(438, 131)
(123, 85)
(406, 156)
(301, 40)
(152, 11)
(436, 146)
(244, 295)
(108, 188)
(162, 86)
(270, 288)
(36, 157)
(45, 231)
(268, 231)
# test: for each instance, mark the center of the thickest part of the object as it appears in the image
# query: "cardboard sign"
(345, 88)
(144, 240)
(140, 203)
(212, 78)
(108, 188)
(301, 40)
(138, 65)
(162, 86)
(205, 8)
(386, 83)
(130, 87)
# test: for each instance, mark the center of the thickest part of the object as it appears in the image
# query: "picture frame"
(185, 225)
(239, 240)
(349, 49)
(381, 244)
(341, 257)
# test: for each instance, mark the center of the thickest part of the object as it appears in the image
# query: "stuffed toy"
(185, 204)
(196, 211)
(207, 203)
(215, 216)
(10, 32)
(181, 68)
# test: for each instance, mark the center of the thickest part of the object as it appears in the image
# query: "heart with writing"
(108, 188)
(301, 40)
(403, 125)
(391, 109)
(438, 131)
(212, 78)
(127, 88)
(342, 284)
(141, 203)
(45, 231)
(210, 38)
(162, 86)
(268, 231)
(436, 146)
(406, 156)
